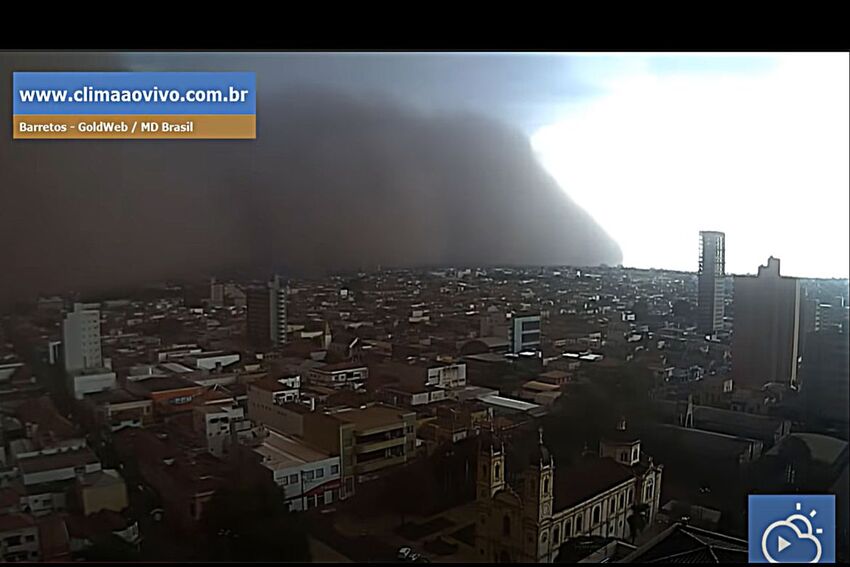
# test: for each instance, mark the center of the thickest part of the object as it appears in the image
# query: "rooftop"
(163, 384)
(681, 543)
(369, 417)
(59, 460)
(587, 478)
(339, 366)
(282, 451)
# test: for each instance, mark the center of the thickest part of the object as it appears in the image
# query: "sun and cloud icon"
(799, 537)
(801, 530)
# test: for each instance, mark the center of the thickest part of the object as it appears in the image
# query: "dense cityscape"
(447, 414)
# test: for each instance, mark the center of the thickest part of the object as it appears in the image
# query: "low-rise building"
(350, 375)
(220, 425)
(58, 466)
(90, 381)
(169, 394)
(101, 490)
(116, 409)
(309, 477)
(367, 439)
(19, 538)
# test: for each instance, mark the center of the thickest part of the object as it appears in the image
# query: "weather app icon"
(792, 529)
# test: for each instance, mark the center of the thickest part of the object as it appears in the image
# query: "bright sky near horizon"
(674, 145)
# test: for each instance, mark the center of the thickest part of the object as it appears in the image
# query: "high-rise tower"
(712, 281)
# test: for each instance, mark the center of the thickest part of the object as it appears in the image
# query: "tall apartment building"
(81, 338)
(766, 332)
(266, 323)
(711, 280)
(824, 382)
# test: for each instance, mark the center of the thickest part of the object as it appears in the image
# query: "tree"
(251, 522)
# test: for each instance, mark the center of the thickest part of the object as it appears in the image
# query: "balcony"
(379, 445)
(378, 464)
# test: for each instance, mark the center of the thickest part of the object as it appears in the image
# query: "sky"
(656, 146)
(754, 147)
(366, 160)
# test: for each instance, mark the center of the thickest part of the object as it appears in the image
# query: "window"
(624, 456)
(334, 469)
(620, 501)
(293, 478)
(568, 529)
(285, 481)
(320, 473)
(498, 470)
(556, 534)
(546, 485)
(612, 506)
(597, 512)
(309, 475)
(578, 524)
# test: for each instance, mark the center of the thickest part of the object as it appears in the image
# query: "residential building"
(310, 478)
(824, 381)
(220, 424)
(81, 338)
(368, 439)
(766, 328)
(342, 375)
(525, 333)
(267, 320)
(19, 538)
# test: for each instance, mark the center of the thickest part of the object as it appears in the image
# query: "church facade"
(527, 519)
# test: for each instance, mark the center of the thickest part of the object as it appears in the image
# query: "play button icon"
(783, 543)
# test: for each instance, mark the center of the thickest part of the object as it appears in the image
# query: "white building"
(525, 333)
(90, 381)
(339, 376)
(81, 338)
(310, 478)
(220, 424)
(447, 375)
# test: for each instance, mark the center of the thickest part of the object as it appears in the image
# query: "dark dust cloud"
(333, 182)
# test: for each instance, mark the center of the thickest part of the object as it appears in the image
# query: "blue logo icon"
(792, 528)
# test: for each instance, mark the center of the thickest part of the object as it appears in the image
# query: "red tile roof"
(12, 522)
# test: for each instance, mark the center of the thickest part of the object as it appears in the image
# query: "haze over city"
(463, 158)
